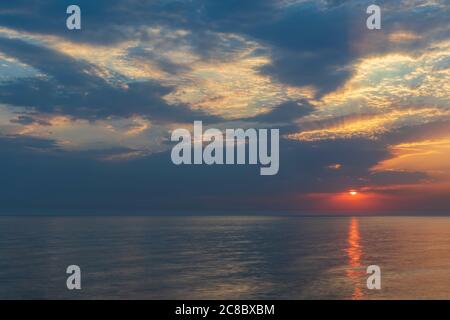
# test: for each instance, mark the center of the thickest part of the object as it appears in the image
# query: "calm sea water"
(225, 257)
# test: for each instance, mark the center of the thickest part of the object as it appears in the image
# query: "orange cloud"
(372, 126)
(403, 36)
(428, 156)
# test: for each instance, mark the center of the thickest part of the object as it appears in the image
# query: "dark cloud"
(286, 112)
(29, 119)
(53, 180)
(65, 70)
(397, 178)
(13, 145)
(315, 45)
(306, 40)
(308, 43)
(103, 21)
(73, 88)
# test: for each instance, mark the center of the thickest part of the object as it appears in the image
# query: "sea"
(225, 257)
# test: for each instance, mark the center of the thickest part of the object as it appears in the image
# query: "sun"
(353, 193)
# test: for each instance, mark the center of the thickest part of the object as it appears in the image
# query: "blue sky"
(86, 116)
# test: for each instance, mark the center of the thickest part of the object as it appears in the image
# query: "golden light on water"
(354, 253)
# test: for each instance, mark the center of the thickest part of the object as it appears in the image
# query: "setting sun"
(353, 193)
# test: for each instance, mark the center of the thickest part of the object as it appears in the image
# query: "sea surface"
(225, 257)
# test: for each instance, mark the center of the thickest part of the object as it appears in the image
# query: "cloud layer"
(86, 116)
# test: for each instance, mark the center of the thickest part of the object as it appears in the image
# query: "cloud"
(371, 126)
(28, 120)
(287, 112)
(306, 38)
(53, 179)
(85, 115)
(72, 87)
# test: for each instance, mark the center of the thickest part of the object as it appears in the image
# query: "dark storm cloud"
(73, 88)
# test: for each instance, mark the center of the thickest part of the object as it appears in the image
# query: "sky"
(86, 115)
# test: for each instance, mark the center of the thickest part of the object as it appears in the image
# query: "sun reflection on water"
(354, 252)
